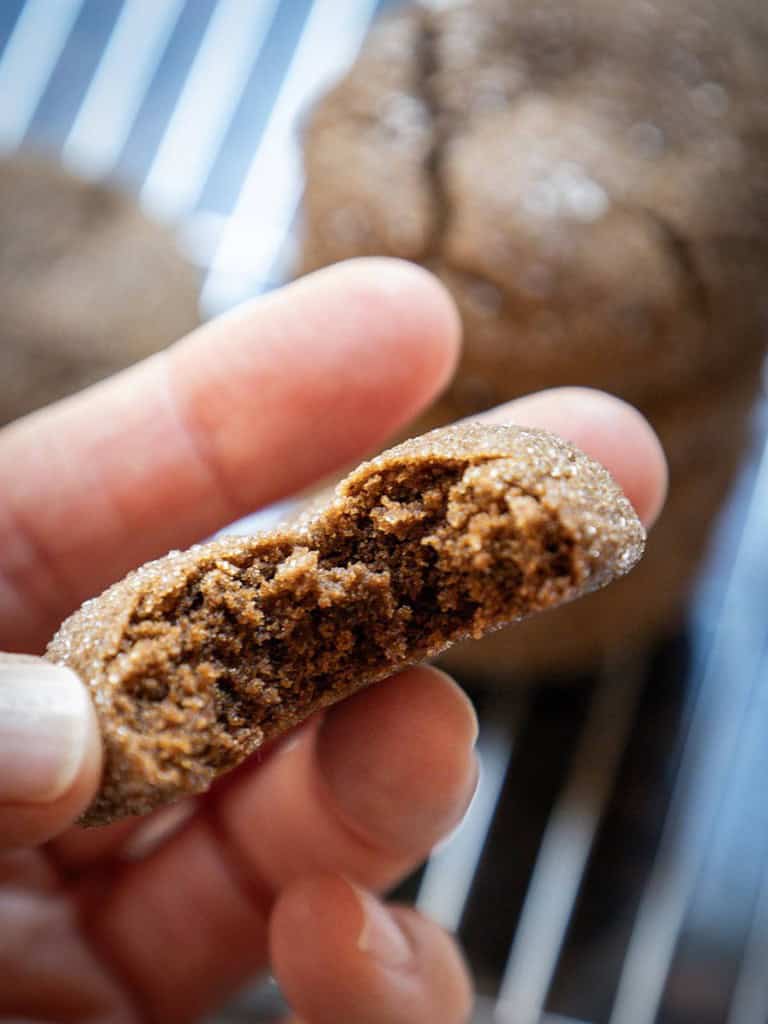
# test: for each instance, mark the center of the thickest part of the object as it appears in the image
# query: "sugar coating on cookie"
(196, 659)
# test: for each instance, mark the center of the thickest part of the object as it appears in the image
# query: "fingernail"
(474, 724)
(380, 936)
(475, 727)
(43, 722)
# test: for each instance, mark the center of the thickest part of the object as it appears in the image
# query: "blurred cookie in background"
(88, 285)
(587, 178)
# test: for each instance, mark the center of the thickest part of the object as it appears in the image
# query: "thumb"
(50, 752)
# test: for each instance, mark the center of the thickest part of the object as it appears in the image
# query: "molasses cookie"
(196, 659)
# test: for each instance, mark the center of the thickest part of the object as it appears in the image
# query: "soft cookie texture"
(196, 659)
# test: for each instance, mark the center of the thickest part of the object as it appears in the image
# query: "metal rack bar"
(272, 188)
(709, 748)
(119, 85)
(449, 873)
(42, 29)
(566, 845)
(749, 1004)
(204, 110)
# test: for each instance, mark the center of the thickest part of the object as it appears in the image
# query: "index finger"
(250, 408)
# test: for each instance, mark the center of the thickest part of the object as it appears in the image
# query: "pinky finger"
(340, 954)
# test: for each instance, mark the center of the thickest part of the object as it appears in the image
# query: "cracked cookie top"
(588, 178)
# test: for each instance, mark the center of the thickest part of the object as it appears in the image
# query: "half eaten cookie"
(196, 659)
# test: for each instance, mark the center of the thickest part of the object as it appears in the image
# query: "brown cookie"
(88, 285)
(198, 658)
(593, 194)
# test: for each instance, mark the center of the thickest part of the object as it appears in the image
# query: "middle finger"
(366, 794)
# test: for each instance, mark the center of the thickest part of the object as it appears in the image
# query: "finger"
(341, 955)
(367, 792)
(183, 929)
(206, 893)
(79, 850)
(249, 408)
(50, 752)
(609, 430)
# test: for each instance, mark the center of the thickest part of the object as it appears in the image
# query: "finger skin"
(250, 408)
(368, 792)
(331, 969)
(49, 972)
(183, 929)
(425, 709)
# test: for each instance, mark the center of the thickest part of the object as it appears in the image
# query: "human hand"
(278, 865)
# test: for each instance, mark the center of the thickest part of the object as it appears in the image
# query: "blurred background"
(613, 867)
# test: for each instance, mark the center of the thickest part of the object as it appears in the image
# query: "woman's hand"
(162, 918)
